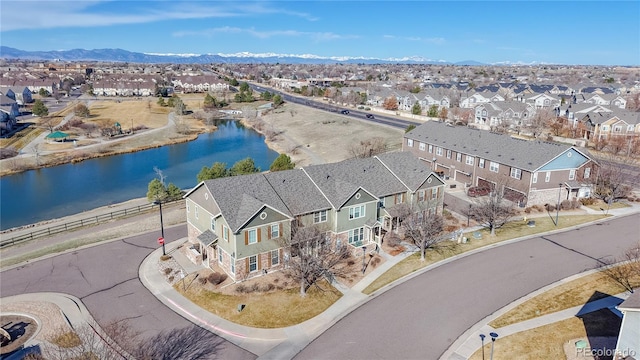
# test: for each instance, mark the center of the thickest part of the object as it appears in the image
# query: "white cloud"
(317, 36)
(18, 15)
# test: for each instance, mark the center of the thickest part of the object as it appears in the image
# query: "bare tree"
(616, 176)
(494, 210)
(424, 231)
(539, 121)
(368, 148)
(312, 257)
(622, 270)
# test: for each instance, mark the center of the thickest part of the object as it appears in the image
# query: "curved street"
(105, 278)
(418, 319)
(422, 317)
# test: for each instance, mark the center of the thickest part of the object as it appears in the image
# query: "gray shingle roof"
(297, 191)
(240, 197)
(338, 181)
(503, 149)
(408, 168)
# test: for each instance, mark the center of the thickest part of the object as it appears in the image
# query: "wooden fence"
(72, 225)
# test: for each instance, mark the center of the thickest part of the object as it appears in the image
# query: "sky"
(579, 32)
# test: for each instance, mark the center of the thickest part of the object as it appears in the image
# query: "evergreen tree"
(217, 170)
(282, 162)
(416, 109)
(39, 108)
(243, 167)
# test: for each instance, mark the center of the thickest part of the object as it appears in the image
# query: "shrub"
(241, 288)
(165, 257)
(527, 209)
(168, 271)
(539, 208)
(216, 278)
(255, 287)
(171, 278)
(588, 201)
(450, 228)
(67, 339)
(202, 280)
(575, 204)
(550, 207)
(351, 262)
(375, 261)
(268, 287)
(565, 205)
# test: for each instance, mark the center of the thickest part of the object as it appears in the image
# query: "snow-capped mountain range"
(119, 55)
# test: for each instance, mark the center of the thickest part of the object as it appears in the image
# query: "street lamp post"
(493, 341)
(468, 215)
(364, 252)
(158, 202)
(482, 336)
(558, 204)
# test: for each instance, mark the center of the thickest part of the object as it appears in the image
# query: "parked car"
(476, 191)
(345, 112)
(370, 116)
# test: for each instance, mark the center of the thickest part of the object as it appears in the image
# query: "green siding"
(364, 197)
(265, 244)
(344, 224)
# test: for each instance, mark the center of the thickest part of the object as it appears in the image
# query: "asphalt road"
(105, 278)
(420, 318)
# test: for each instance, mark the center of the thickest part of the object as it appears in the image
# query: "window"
(439, 151)
(253, 263)
(458, 157)
(188, 207)
(587, 173)
(516, 173)
(319, 216)
(275, 257)
(252, 236)
(421, 146)
(470, 160)
(213, 224)
(534, 179)
(430, 149)
(494, 167)
(356, 235)
(448, 154)
(572, 174)
(421, 195)
(275, 231)
(219, 256)
(605, 127)
(409, 142)
(356, 212)
(225, 232)
(481, 163)
(196, 211)
(434, 193)
(547, 177)
(381, 202)
(629, 128)
(233, 264)
(617, 128)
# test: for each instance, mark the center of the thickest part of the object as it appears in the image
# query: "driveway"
(420, 318)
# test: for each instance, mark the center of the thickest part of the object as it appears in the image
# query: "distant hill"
(119, 55)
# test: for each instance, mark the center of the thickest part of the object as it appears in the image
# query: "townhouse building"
(240, 224)
(533, 172)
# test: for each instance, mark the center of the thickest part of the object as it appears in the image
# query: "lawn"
(511, 230)
(272, 309)
(576, 292)
(546, 342)
(599, 205)
(130, 112)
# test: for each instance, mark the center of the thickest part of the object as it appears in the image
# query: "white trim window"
(410, 142)
(439, 151)
(253, 236)
(320, 216)
(356, 212)
(421, 146)
(534, 177)
(516, 173)
(275, 257)
(572, 174)
(470, 160)
(219, 256)
(458, 157)
(494, 166)
(547, 176)
(195, 211)
(617, 128)
(430, 149)
(188, 207)
(275, 231)
(356, 235)
(434, 193)
(225, 233)
(213, 224)
(587, 172)
(481, 163)
(448, 154)
(253, 263)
